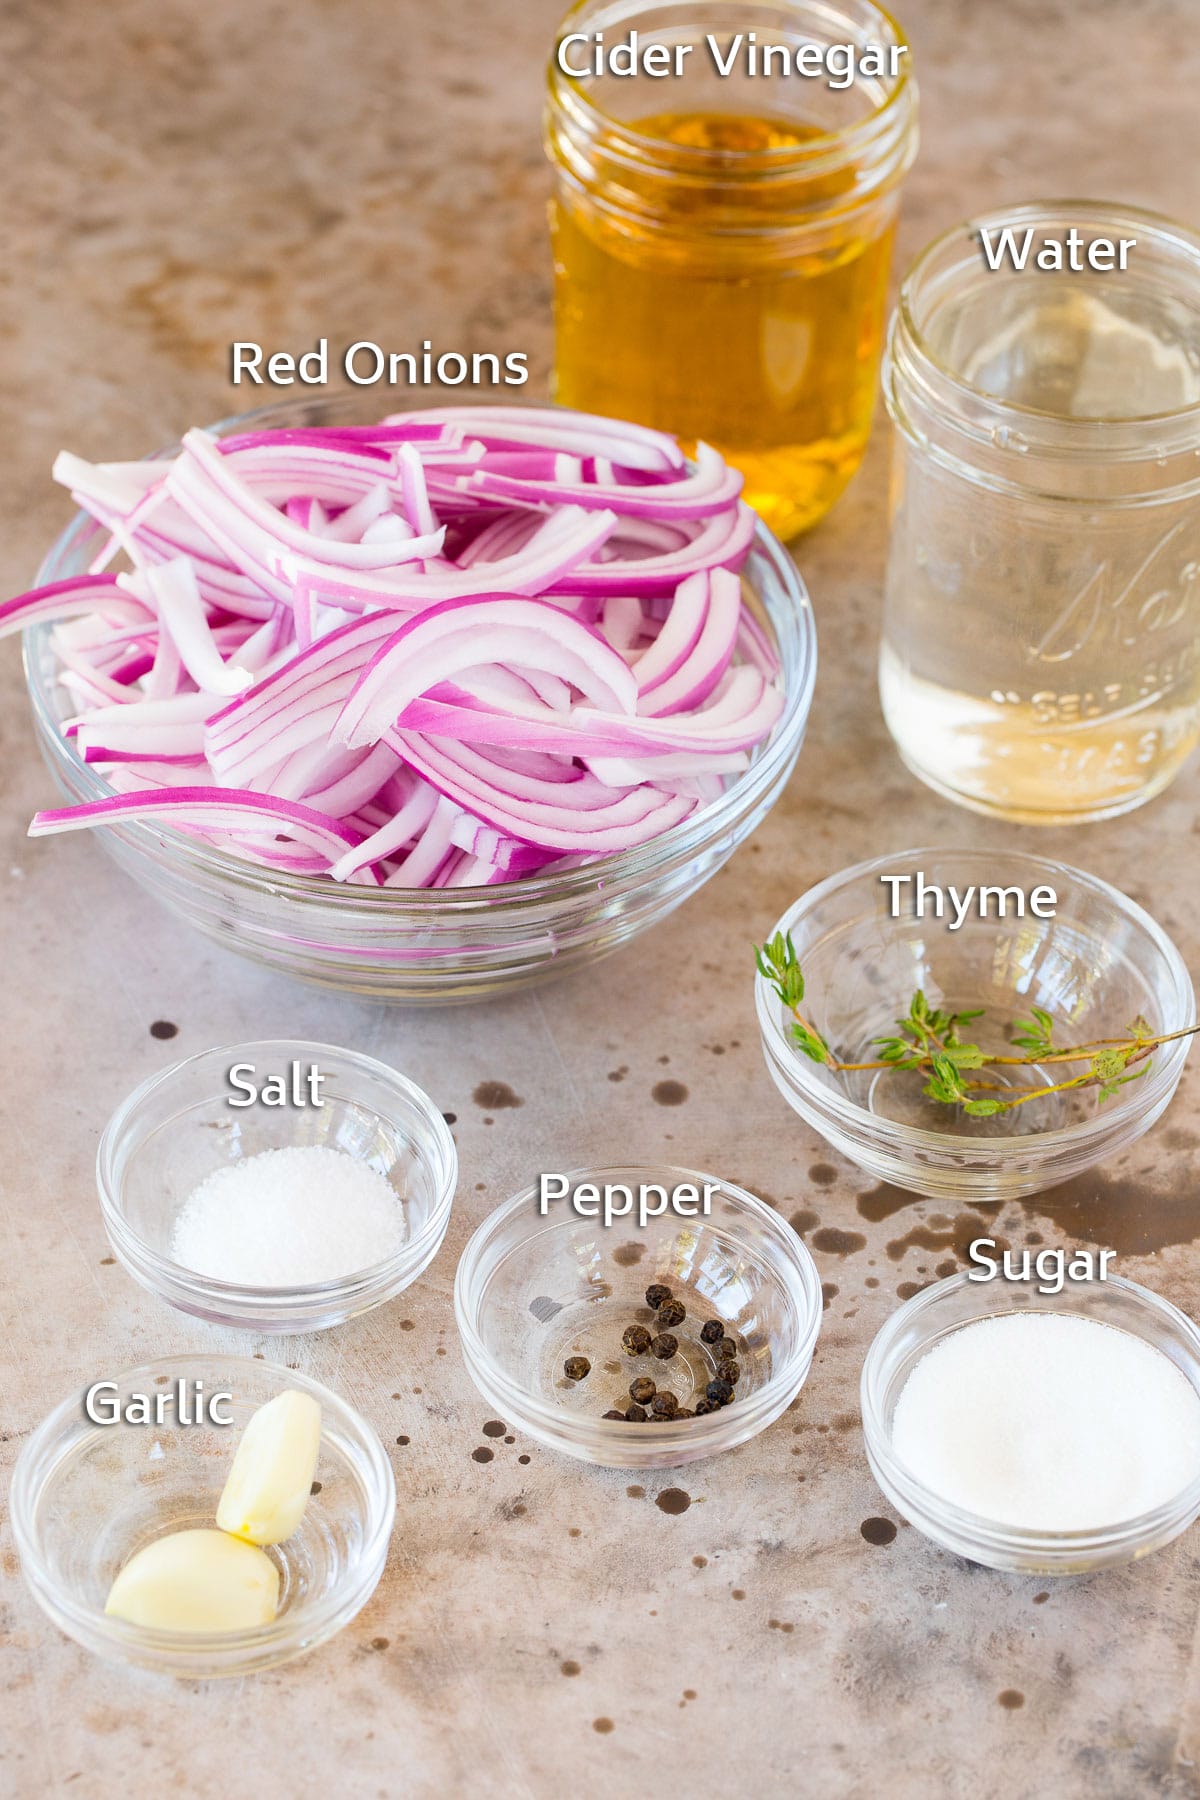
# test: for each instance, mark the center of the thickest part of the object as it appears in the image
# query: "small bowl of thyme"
(639, 1344)
(961, 1043)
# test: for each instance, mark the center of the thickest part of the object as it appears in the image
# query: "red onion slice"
(446, 650)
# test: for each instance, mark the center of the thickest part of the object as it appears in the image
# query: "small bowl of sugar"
(281, 1186)
(1047, 1434)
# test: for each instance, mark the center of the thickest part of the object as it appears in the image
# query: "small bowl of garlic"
(203, 1516)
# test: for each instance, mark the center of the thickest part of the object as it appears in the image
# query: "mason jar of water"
(1040, 655)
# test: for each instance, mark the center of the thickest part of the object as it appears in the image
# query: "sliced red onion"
(432, 847)
(442, 651)
(564, 540)
(590, 817)
(212, 808)
(400, 830)
(632, 446)
(723, 542)
(456, 635)
(88, 594)
(693, 680)
(713, 488)
(679, 635)
(176, 594)
(207, 486)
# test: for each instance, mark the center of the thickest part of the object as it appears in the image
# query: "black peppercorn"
(577, 1367)
(670, 1314)
(642, 1390)
(664, 1346)
(728, 1371)
(636, 1340)
(720, 1391)
(713, 1332)
(613, 1414)
(706, 1406)
(725, 1350)
(664, 1406)
(635, 1414)
(657, 1295)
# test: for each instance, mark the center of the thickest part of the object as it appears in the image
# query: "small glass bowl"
(85, 1498)
(532, 1291)
(941, 1309)
(1094, 967)
(178, 1127)
(441, 946)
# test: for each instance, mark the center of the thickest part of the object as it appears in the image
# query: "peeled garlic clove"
(196, 1581)
(273, 1469)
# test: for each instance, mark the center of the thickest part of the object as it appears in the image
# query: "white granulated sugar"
(289, 1218)
(1049, 1421)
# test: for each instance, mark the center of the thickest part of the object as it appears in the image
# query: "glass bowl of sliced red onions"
(421, 708)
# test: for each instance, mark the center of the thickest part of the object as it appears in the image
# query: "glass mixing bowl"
(943, 1308)
(533, 1290)
(1098, 964)
(85, 1498)
(177, 1128)
(450, 944)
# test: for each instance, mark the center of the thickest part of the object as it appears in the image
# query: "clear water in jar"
(1041, 657)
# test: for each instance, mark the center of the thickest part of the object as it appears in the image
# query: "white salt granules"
(1050, 1422)
(289, 1218)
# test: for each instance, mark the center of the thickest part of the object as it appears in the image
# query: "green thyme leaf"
(1035, 1034)
(1110, 1087)
(927, 1040)
(814, 1047)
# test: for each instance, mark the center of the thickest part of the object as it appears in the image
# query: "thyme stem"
(929, 1042)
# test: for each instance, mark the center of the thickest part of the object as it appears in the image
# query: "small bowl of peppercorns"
(638, 1345)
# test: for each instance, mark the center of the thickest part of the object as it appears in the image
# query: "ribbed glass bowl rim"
(1114, 214)
(437, 1142)
(992, 1534)
(424, 905)
(804, 1295)
(306, 1621)
(1138, 1098)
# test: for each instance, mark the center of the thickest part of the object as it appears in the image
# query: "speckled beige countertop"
(179, 175)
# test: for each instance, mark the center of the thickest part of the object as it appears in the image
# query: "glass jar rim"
(626, 144)
(1165, 230)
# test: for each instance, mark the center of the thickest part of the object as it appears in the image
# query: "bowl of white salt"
(281, 1186)
(1047, 1434)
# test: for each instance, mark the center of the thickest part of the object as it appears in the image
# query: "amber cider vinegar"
(770, 357)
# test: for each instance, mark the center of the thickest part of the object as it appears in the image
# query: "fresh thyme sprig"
(930, 1041)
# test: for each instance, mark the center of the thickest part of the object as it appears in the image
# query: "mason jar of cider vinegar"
(727, 182)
